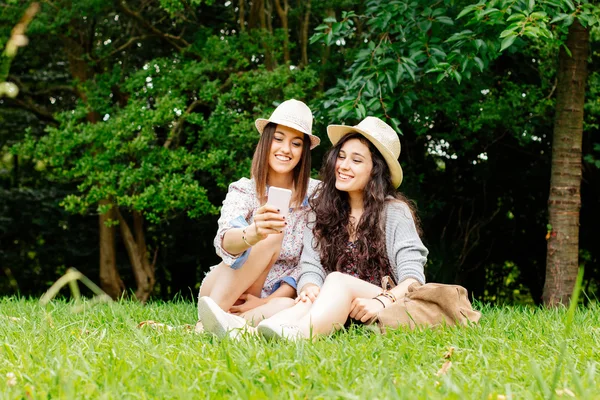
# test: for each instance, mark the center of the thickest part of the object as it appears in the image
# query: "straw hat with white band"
(293, 114)
(383, 137)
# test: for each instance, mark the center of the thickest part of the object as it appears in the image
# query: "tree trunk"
(562, 260)
(257, 8)
(110, 281)
(242, 16)
(268, 15)
(304, 35)
(136, 248)
(258, 19)
(283, 15)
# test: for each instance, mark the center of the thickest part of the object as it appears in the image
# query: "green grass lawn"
(100, 353)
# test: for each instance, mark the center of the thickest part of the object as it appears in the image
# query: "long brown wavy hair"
(332, 227)
(260, 166)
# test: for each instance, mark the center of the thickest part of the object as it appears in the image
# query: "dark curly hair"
(332, 227)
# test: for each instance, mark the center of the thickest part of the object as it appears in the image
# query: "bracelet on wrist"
(244, 237)
(379, 300)
(388, 295)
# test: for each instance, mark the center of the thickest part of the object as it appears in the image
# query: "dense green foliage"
(153, 107)
(100, 353)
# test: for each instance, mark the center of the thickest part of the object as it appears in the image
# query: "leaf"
(457, 76)
(532, 31)
(584, 19)
(464, 64)
(559, 18)
(507, 32)
(516, 17)
(531, 5)
(509, 40)
(396, 125)
(437, 12)
(569, 20)
(480, 44)
(445, 20)
(489, 11)
(411, 72)
(437, 52)
(399, 69)
(424, 25)
(479, 63)
(538, 15)
(390, 81)
(362, 111)
(329, 38)
(465, 11)
(570, 4)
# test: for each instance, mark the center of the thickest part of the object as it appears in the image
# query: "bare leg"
(225, 285)
(332, 307)
(273, 307)
(292, 315)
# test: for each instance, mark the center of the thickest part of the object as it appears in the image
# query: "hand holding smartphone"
(280, 198)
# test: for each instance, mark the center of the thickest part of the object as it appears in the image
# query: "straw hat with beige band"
(383, 137)
(293, 114)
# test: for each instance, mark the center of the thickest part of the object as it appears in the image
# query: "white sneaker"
(219, 322)
(274, 330)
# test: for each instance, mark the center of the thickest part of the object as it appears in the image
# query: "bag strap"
(387, 283)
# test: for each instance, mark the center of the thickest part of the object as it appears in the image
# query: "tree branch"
(179, 124)
(166, 37)
(36, 109)
(123, 47)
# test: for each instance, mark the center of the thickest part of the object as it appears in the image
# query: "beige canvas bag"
(431, 304)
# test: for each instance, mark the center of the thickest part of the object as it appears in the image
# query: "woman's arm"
(406, 251)
(311, 270)
(236, 212)
(267, 221)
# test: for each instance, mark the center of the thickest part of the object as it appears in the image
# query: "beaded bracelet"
(389, 295)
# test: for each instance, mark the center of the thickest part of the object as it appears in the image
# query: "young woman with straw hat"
(261, 248)
(361, 230)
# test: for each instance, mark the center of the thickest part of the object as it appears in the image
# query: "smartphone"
(280, 199)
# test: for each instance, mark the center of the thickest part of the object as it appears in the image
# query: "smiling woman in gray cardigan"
(402, 243)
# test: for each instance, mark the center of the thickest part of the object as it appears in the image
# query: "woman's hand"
(365, 309)
(267, 221)
(309, 292)
(250, 302)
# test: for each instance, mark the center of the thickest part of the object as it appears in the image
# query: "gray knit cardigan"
(406, 252)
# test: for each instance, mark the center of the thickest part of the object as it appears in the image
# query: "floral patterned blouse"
(238, 210)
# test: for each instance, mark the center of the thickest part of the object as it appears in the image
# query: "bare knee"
(208, 283)
(269, 247)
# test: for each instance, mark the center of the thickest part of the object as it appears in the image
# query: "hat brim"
(261, 123)
(336, 132)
